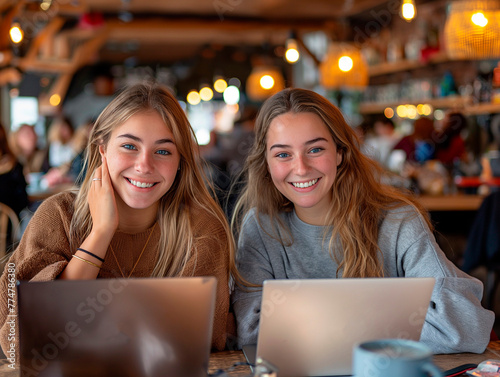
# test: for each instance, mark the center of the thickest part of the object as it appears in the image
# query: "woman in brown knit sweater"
(143, 208)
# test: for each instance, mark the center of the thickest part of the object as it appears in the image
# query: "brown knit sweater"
(44, 252)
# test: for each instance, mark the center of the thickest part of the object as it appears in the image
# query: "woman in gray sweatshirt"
(313, 206)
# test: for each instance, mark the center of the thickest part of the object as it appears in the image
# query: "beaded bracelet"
(91, 254)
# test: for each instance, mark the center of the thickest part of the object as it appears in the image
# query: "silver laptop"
(309, 327)
(116, 327)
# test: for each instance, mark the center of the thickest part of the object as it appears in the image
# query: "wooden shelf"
(465, 104)
(406, 65)
(445, 102)
(482, 108)
(387, 68)
(455, 102)
(48, 65)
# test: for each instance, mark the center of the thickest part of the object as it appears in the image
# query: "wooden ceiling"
(262, 9)
(157, 31)
(169, 30)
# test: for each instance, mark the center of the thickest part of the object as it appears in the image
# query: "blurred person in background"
(241, 140)
(226, 155)
(24, 145)
(490, 159)
(419, 146)
(80, 141)
(379, 147)
(61, 150)
(12, 180)
(70, 171)
(427, 176)
(450, 146)
(360, 131)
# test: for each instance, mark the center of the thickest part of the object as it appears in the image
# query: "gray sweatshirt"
(455, 321)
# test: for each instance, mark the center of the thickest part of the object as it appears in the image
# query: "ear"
(102, 151)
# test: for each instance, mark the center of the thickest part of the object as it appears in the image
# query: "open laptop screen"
(309, 327)
(116, 327)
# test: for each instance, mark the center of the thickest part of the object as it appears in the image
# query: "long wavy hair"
(188, 194)
(359, 200)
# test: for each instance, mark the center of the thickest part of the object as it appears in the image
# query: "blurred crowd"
(29, 166)
(431, 157)
(426, 158)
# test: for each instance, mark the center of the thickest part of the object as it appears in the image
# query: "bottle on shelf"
(448, 86)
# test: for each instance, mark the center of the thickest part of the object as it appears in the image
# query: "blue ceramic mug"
(394, 358)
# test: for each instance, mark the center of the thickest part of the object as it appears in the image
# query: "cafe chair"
(9, 228)
(483, 246)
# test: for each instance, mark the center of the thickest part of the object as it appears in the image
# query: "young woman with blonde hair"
(143, 208)
(313, 207)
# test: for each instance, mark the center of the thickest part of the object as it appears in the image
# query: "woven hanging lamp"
(263, 82)
(343, 67)
(472, 29)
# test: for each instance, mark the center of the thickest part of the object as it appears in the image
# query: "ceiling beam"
(45, 36)
(84, 54)
(6, 4)
(69, 8)
(304, 47)
(166, 23)
(195, 31)
(267, 5)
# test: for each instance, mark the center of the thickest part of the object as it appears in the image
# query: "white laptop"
(116, 327)
(309, 327)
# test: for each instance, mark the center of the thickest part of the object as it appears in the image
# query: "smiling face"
(142, 160)
(302, 159)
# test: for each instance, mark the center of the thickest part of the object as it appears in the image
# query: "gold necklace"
(138, 259)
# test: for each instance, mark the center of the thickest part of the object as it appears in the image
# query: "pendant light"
(343, 67)
(263, 82)
(472, 29)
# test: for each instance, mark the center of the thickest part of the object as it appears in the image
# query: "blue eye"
(316, 150)
(282, 155)
(163, 152)
(129, 146)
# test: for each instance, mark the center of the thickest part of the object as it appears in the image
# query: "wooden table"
(446, 362)
(226, 359)
(459, 202)
(34, 196)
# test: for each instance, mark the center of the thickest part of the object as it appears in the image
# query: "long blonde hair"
(188, 194)
(359, 200)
